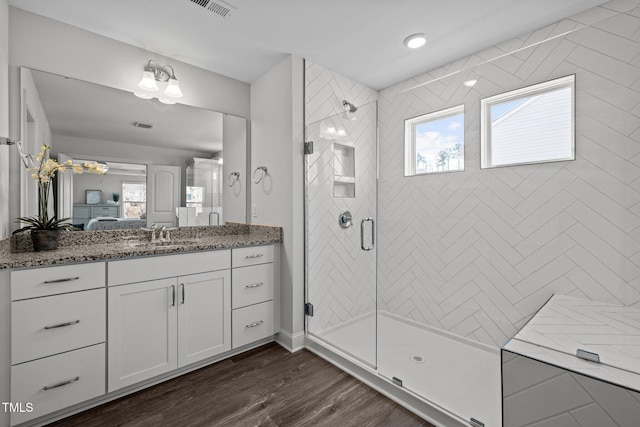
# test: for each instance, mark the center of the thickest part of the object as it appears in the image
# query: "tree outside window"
(434, 142)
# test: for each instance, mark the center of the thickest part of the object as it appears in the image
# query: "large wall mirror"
(171, 165)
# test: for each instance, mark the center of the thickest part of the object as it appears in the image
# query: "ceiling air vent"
(143, 125)
(218, 7)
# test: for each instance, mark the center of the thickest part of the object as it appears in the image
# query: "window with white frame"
(434, 142)
(529, 125)
(134, 199)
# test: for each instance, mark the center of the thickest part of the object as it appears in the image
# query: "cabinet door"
(204, 316)
(142, 331)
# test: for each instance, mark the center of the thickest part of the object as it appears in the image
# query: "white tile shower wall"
(540, 395)
(342, 279)
(325, 90)
(478, 252)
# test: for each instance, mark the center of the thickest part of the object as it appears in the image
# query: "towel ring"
(263, 173)
(233, 178)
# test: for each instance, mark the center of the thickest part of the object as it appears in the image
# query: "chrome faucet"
(160, 234)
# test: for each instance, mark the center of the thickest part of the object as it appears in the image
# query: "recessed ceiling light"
(470, 83)
(415, 41)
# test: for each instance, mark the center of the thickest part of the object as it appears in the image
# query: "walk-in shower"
(435, 272)
(346, 312)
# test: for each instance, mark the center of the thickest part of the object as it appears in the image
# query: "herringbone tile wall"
(478, 252)
(342, 277)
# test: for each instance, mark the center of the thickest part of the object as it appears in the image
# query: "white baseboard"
(290, 342)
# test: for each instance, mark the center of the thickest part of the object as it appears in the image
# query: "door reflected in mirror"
(165, 161)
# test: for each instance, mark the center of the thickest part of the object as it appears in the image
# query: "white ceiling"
(361, 39)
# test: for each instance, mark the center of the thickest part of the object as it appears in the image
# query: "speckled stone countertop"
(83, 246)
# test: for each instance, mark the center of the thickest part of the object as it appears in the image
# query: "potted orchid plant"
(45, 229)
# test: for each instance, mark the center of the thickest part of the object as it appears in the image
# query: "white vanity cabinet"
(253, 294)
(82, 334)
(58, 322)
(159, 325)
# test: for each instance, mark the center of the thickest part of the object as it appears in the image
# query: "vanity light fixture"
(415, 41)
(151, 75)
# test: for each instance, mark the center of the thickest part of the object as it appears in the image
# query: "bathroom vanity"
(575, 363)
(121, 316)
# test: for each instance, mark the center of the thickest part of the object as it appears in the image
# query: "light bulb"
(415, 41)
(173, 89)
(148, 82)
(142, 95)
(342, 132)
(331, 130)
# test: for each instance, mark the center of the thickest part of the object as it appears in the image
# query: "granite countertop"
(83, 246)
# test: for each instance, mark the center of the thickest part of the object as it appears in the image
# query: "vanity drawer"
(251, 285)
(81, 212)
(253, 255)
(160, 267)
(251, 323)
(57, 382)
(50, 325)
(38, 282)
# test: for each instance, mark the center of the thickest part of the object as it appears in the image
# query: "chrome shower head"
(349, 107)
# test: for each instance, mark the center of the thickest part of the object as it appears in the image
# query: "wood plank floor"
(267, 386)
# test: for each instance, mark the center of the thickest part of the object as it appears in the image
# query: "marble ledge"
(85, 246)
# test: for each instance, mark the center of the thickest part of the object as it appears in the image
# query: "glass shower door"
(341, 199)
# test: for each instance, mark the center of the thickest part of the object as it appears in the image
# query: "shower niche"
(344, 171)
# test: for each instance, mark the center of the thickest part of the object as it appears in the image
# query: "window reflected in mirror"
(134, 199)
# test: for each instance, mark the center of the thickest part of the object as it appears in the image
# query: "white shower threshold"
(446, 379)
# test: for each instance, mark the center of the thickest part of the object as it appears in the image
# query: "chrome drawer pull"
(253, 325)
(255, 285)
(68, 279)
(253, 256)
(62, 325)
(49, 387)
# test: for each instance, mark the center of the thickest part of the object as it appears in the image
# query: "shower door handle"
(367, 248)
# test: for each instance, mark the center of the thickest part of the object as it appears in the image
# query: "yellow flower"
(69, 162)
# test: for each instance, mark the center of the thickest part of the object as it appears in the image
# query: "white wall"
(478, 252)
(44, 44)
(277, 143)
(35, 133)
(234, 137)
(4, 117)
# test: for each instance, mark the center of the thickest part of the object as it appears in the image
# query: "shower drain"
(417, 359)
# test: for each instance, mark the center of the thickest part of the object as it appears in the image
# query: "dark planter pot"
(45, 240)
